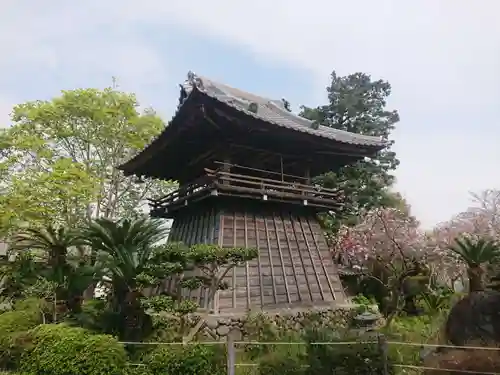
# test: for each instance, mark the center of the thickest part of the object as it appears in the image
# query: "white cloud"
(441, 56)
(75, 42)
(5, 109)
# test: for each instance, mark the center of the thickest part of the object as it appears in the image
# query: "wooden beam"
(209, 119)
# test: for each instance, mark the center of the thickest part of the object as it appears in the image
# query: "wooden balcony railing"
(239, 185)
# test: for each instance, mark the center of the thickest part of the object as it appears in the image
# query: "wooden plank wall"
(294, 266)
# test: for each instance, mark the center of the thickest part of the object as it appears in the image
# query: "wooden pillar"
(281, 164)
(226, 167)
(307, 175)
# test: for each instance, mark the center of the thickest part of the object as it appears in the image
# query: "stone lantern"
(365, 322)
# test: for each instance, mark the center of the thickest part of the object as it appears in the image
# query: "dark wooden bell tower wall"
(294, 266)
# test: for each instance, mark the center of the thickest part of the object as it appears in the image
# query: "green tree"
(356, 103)
(61, 157)
(58, 195)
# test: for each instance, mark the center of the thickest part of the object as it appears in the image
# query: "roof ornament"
(191, 82)
(194, 80)
(253, 107)
(286, 104)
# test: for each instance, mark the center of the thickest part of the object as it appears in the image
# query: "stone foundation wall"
(253, 326)
(281, 325)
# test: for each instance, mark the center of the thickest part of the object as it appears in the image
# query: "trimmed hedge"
(13, 331)
(57, 349)
(18, 321)
(187, 360)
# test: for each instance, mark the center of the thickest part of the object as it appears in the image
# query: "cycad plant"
(126, 251)
(52, 245)
(16, 276)
(476, 253)
(436, 301)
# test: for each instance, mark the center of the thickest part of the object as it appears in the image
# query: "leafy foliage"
(16, 275)
(13, 326)
(436, 301)
(476, 252)
(187, 360)
(282, 362)
(52, 247)
(358, 358)
(127, 250)
(61, 350)
(215, 262)
(60, 157)
(357, 104)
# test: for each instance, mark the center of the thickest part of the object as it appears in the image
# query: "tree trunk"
(137, 324)
(74, 304)
(475, 275)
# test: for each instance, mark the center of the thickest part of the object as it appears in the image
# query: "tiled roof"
(273, 111)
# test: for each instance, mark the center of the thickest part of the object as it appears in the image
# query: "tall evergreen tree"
(356, 103)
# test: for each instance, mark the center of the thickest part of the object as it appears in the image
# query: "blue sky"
(442, 58)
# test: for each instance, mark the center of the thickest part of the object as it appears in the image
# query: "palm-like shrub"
(52, 246)
(126, 254)
(475, 253)
(16, 275)
(52, 242)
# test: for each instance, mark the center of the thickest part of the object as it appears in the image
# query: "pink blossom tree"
(392, 249)
(388, 235)
(480, 220)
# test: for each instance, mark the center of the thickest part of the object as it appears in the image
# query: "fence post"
(382, 344)
(231, 354)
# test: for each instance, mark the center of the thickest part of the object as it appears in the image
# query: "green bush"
(95, 316)
(29, 304)
(423, 329)
(57, 349)
(282, 362)
(284, 359)
(18, 321)
(187, 360)
(13, 331)
(343, 359)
